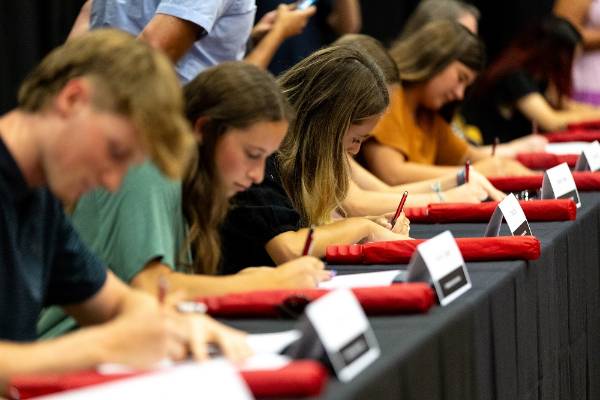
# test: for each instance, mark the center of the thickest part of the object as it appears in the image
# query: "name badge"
(509, 210)
(589, 160)
(559, 184)
(439, 262)
(345, 333)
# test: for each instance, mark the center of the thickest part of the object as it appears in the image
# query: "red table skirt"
(401, 251)
(535, 211)
(585, 182)
(300, 378)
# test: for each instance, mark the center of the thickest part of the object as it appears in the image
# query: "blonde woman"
(338, 95)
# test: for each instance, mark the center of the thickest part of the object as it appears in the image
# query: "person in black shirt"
(91, 108)
(529, 85)
(332, 18)
(338, 95)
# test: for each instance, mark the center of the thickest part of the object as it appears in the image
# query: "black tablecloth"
(527, 330)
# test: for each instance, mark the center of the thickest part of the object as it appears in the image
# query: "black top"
(315, 35)
(256, 216)
(42, 260)
(495, 112)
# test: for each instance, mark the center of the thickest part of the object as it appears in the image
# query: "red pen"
(163, 286)
(467, 166)
(399, 209)
(309, 242)
(496, 143)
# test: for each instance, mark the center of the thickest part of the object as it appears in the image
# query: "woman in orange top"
(412, 141)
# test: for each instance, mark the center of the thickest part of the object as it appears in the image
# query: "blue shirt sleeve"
(203, 13)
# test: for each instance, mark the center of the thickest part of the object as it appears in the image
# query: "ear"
(199, 127)
(76, 93)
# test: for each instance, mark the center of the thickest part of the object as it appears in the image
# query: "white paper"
(512, 211)
(367, 279)
(272, 343)
(215, 379)
(265, 361)
(566, 147)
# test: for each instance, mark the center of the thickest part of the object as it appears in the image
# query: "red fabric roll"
(575, 135)
(300, 378)
(590, 125)
(472, 249)
(394, 299)
(585, 182)
(544, 161)
(535, 211)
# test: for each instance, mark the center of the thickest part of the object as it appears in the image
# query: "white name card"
(589, 160)
(510, 210)
(344, 332)
(559, 184)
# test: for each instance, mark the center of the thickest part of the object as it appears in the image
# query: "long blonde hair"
(230, 95)
(329, 90)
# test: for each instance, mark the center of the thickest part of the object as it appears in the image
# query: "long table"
(526, 330)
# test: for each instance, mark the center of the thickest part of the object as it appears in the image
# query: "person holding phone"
(197, 34)
(333, 18)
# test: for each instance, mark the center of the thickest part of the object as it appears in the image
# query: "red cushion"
(298, 379)
(543, 161)
(574, 135)
(393, 299)
(539, 210)
(590, 125)
(585, 182)
(472, 249)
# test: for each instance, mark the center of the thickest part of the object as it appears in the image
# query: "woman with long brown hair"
(338, 95)
(239, 116)
(412, 141)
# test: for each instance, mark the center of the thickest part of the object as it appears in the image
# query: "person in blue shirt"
(197, 34)
(92, 108)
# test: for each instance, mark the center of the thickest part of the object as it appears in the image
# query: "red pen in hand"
(309, 242)
(163, 286)
(467, 167)
(399, 209)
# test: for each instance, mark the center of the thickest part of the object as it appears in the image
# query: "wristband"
(460, 177)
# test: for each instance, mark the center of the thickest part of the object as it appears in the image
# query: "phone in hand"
(304, 4)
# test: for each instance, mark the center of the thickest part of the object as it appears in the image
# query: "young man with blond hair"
(93, 107)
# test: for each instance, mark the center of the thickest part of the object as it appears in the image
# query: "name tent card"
(559, 184)
(439, 262)
(344, 332)
(589, 160)
(509, 210)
